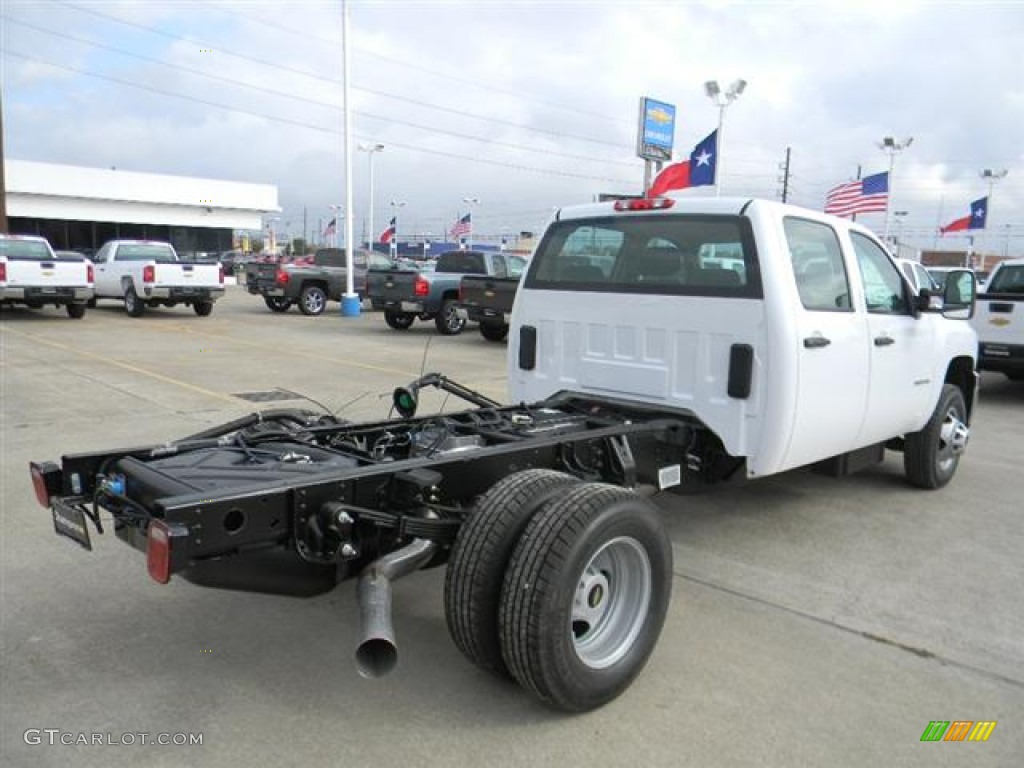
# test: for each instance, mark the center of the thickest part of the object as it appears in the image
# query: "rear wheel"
(585, 596)
(76, 311)
(91, 303)
(480, 555)
(203, 308)
(400, 321)
(312, 300)
(132, 304)
(448, 321)
(931, 456)
(494, 331)
(277, 303)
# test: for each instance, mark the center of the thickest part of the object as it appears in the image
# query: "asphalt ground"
(814, 621)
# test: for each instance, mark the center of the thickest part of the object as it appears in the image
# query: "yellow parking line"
(126, 366)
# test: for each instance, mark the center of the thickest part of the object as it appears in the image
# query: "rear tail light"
(149, 274)
(89, 274)
(645, 204)
(3, 273)
(45, 481)
(282, 277)
(421, 287)
(222, 274)
(158, 552)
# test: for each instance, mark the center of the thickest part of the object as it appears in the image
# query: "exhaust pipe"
(377, 653)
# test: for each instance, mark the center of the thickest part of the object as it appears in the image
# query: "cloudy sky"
(526, 105)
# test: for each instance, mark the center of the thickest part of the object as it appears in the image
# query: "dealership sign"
(656, 130)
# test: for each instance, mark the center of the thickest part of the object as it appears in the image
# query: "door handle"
(814, 342)
(884, 341)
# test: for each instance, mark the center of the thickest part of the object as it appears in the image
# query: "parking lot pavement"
(813, 622)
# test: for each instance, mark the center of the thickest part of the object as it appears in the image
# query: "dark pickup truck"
(405, 294)
(488, 300)
(310, 285)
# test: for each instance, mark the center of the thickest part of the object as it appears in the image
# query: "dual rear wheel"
(560, 584)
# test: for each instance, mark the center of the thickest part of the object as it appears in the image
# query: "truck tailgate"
(488, 296)
(48, 276)
(999, 318)
(188, 276)
(392, 285)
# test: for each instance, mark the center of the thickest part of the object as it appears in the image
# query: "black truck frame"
(511, 497)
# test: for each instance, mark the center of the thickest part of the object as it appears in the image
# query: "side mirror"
(958, 295)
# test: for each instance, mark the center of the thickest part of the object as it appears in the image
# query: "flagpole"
(350, 304)
(891, 147)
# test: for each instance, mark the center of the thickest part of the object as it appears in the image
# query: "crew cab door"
(901, 347)
(831, 347)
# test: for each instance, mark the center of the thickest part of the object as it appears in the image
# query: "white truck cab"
(790, 334)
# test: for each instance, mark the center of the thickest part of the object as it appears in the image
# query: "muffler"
(377, 653)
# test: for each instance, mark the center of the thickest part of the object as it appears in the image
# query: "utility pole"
(305, 236)
(3, 174)
(784, 167)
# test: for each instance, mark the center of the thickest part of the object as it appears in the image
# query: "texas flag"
(979, 212)
(388, 234)
(698, 171)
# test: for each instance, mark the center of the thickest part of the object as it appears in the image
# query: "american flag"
(862, 196)
(462, 226)
(331, 228)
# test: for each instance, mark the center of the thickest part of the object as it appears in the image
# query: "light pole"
(371, 149)
(393, 242)
(991, 177)
(471, 201)
(722, 100)
(891, 147)
(271, 220)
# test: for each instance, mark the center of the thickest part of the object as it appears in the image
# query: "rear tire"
(480, 555)
(91, 303)
(132, 303)
(448, 320)
(931, 456)
(494, 331)
(203, 308)
(75, 311)
(400, 321)
(585, 596)
(277, 303)
(312, 300)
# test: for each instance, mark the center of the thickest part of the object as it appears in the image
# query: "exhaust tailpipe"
(377, 653)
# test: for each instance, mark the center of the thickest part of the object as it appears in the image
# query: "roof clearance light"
(644, 204)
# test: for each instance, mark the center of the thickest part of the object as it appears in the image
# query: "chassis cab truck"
(654, 344)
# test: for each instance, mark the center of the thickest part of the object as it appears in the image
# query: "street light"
(899, 229)
(371, 148)
(273, 234)
(891, 147)
(722, 100)
(471, 201)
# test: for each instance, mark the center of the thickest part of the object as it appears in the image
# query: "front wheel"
(76, 311)
(277, 303)
(931, 456)
(203, 308)
(133, 305)
(312, 300)
(448, 321)
(585, 596)
(400, 321)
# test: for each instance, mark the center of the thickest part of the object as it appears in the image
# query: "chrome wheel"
(953, 436)
(611, 602)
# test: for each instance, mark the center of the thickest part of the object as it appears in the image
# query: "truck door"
(106, 281)
(831, 338)
(900, 347)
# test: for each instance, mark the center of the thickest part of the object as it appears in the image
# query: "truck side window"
(884, 288)
(498, 262)
(818, 267)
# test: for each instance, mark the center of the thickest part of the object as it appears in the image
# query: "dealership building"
(79, 208)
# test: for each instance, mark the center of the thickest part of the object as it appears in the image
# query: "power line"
(337, 83)
(317, 102)
(332, 131)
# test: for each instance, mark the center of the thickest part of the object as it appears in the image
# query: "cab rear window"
(678, 255)
(162, 254)
(25, 250)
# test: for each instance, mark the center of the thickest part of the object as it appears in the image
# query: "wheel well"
(318, 283)
(960, 373)
(450, 295)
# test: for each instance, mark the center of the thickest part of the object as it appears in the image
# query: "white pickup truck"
(31, 274)
(1000, 321)
(146, 273)
(813, 347)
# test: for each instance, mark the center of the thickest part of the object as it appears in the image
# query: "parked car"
(310, 283)
(33, 275)
(918, 276)
(999, 321)
(488, 300)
